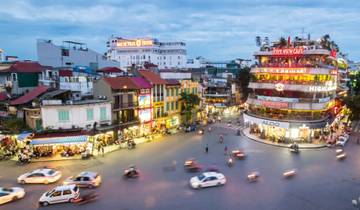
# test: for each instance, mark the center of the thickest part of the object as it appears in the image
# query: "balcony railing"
(289, 105)
(290, 99)
(126, 105)
(295, 117)
(290, 82)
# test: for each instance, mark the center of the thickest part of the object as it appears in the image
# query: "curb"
(281, 145)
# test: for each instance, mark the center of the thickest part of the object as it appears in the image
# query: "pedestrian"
(225, 150)
(98, 149)
(206, 148)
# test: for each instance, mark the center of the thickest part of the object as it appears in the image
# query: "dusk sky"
(217, 30)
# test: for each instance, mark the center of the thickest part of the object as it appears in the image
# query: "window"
(67, 192)
(177, 91)
(56, 193)
(90, 114)
(172, 105)
(14, 77)
(172, 91)
(103, 115)
(176, 105)
(167, 106)
(63, 116)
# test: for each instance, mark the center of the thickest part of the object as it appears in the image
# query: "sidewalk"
(246, 132)
(107, 149)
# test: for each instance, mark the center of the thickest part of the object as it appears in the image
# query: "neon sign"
(135, 43)
(288, 51)
(283, 70)
(273, 104)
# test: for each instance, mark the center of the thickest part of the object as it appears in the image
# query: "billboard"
(145, 115)
(144, 101)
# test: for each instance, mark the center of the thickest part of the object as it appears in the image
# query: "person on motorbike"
(221, 138)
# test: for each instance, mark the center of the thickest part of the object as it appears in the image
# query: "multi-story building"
(293, 91)
(71, 54)
(56, 114)
(20, 76)
(122, 92)
(172, 103)
(158, 97)
(137, 52)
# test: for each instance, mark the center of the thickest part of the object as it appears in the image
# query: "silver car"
(85, 179)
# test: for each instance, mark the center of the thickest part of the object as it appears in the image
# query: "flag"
(289, 41)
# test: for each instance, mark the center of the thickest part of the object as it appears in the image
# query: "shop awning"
(22, 136)
(60, 140)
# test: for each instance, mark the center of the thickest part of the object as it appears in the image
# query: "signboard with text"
(288, 51)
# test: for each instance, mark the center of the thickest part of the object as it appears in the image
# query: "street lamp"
(356, 203)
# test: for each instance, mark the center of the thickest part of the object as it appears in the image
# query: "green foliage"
(353, 103)
(14, 125)
(189, 103)
(242, 80)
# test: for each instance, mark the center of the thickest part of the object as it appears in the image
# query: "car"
(40, 176)
(60, 194)
(11, 194)
(84, 179)
(207, 179)
(342, 140)
(239, 154)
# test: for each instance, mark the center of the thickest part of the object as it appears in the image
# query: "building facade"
(75, 114)
(293, 92)
(137, 52)
(172, 103)
(71, 54)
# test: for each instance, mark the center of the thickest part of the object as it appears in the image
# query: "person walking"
(103, 149)
(225, 150)
(207, 148)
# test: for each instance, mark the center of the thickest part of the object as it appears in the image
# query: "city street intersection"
(322, 182)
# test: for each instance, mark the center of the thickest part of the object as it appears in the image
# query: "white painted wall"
(49, 54)
(77, 115)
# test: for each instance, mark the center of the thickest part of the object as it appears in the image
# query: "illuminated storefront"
(292, 92)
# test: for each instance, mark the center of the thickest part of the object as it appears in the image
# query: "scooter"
(289, 173)
(131, 173)
(230, 162)
(341, 156)
(253, 177)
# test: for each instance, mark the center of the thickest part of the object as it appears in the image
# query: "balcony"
(291, 87)
(129, 105)
(289, 105)
(294, 69)
(290, 99)
(314, 51)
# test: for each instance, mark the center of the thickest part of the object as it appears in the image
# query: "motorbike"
(341, 156)
(131, 145)
(131, 173)
(92, 196)
(253, 177)
(238, 132)
(209, 129)
(289, 173)
(23, 159)
(294, 148)
(230, 162)
(238, 154)
(201, 131)
(221, 139)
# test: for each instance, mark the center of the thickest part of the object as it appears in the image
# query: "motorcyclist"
(221, 138)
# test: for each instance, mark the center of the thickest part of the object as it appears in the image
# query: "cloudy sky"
(215, 29)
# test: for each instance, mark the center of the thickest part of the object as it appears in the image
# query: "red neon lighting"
(288, 51)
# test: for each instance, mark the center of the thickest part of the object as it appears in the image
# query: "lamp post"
(356, 203)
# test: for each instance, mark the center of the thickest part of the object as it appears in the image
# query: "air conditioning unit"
(69, 102)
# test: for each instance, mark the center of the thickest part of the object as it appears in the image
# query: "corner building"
(293, 92)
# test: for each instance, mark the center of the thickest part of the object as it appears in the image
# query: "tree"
(189, 103)
(242, 80)
(353, 103)
(14, 125)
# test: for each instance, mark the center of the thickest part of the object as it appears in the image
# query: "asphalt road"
(322, 182)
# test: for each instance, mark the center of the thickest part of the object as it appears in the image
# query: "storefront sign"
(281, 99)
(282, 70)
(288, 51)
(145, 115)
(159, 103)
(321, 88)
(274, 104)
(3, 113)
(248, 118)
(323, 100)
(144, 101)
(279, 87)
(135, 43)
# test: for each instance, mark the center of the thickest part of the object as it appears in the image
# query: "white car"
(207, 179)
(11, 194)
(60, 194)
(342, 140)
(85, 179)
(43, 176)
